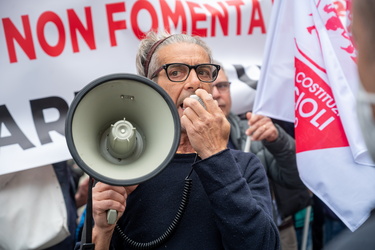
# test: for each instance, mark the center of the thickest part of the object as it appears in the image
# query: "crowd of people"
(245, 191)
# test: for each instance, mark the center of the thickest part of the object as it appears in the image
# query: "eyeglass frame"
(165, 67)
(227, 89)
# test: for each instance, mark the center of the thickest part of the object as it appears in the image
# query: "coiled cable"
(170, 230)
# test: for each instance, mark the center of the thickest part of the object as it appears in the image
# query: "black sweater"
(229, 206)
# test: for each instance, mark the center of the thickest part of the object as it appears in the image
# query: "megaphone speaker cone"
(121, 143)
(122, 129)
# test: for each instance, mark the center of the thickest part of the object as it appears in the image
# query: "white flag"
(309, 77)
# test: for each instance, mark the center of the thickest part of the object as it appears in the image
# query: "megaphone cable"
(170, 230)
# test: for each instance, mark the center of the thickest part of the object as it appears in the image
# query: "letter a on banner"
(309, 77)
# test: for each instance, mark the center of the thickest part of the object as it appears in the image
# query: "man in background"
(276, 150)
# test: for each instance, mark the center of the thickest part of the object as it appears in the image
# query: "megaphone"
(122, 129)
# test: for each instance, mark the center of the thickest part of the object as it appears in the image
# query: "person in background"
(230, 203)
(363, 28)
(43, 213)
(276, 150)
(326, 225)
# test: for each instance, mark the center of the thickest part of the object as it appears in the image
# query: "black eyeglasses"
(179, 72)
(222, 86)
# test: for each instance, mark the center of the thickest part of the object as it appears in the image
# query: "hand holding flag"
(309, 77)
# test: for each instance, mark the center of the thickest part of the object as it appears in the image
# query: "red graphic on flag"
(318, 124)
(334, 24)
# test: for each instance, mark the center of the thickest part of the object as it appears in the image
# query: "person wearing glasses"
(276, 150)
(229, 205)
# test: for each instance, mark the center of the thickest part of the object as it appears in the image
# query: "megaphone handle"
(111, 216)
(247, 145)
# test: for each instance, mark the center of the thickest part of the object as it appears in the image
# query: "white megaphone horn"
(122, 129)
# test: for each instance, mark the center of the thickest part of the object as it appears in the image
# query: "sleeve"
(281, 162)
(238, 191)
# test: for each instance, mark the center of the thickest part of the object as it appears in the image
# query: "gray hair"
(150, 63)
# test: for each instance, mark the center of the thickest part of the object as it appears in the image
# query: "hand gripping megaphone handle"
(99, 105)
(111, 216)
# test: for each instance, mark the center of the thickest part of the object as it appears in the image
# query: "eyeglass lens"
(222, 86)
(180, 72)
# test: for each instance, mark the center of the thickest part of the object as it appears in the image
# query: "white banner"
(49, 50)
(310, 77)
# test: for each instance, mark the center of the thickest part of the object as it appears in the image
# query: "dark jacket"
(279, 160)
